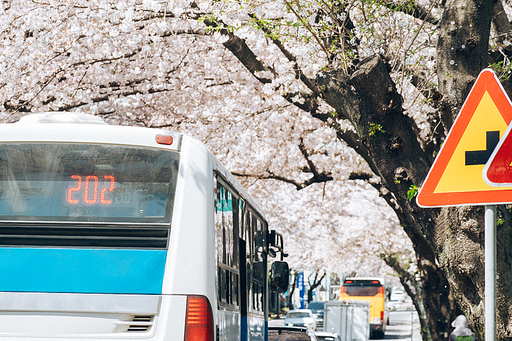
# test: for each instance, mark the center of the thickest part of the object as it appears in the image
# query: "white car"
(301, 318)
(398, 295)
(394, 305)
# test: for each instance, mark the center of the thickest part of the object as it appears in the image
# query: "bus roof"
(361, 280)
(72, 127)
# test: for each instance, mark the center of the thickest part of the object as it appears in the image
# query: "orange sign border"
(486, 81)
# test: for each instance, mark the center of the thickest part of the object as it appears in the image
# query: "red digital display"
(87, 187)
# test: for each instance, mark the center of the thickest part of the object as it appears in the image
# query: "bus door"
(254, 274)
(243, 290)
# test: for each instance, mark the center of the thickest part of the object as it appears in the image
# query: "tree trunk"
(458, 238)
(412, 288)
(314, 285)
(394, 153)
(291, 291)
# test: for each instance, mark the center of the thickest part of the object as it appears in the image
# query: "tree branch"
(239, 48)
(413, 9)
(298, 72)
(308, 27)
(245, 55)
(501, 22)
(318, 177)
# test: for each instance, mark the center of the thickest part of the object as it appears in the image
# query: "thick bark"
(462, 51)
(504, 295)
(459, 241)
(394, 153)
(458, 236)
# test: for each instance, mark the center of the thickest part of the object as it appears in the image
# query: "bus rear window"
(86, 182)
(362, 290)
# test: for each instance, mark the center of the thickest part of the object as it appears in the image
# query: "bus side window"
(228, 227)
(219, 225)
(249, 256)
(259, 263)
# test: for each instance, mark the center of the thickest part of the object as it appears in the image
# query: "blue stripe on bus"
(82, 270)
(266, 330)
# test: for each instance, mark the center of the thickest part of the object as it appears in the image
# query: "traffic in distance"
(360, 312)
(371, 290)
(126, 233)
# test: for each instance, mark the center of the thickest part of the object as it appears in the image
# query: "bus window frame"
(227, 275)
(250, 222)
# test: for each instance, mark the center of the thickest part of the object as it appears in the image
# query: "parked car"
(325, 336)
(286, 333)
(317, 307)
(394, 305)
(398, 295)
(300, 318)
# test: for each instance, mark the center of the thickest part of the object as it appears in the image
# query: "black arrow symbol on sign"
(480, 157)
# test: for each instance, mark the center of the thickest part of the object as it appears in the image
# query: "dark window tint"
(86, 182)
(362, 290)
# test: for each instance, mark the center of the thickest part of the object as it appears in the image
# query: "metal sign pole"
(490, 272)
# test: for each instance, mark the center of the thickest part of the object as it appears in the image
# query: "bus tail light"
(199, 320)
(382, 316)
(342, 289)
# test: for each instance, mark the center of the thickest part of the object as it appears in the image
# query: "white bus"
(126, 233)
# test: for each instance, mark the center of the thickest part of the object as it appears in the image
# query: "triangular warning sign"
(455, 178)
(498, 169)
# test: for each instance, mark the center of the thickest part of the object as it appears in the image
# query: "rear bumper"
(377, 327)
(91, 317)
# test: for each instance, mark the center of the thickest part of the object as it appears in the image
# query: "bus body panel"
(257, 328)
(91, 317)
(229, 325)
(86, 133)
(190, 250)
(53, 315)
(171, 320)
(88, 293)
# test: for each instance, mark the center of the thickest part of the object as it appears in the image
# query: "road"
(399, 327)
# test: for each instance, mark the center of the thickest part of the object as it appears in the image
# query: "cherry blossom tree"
(313, 103)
